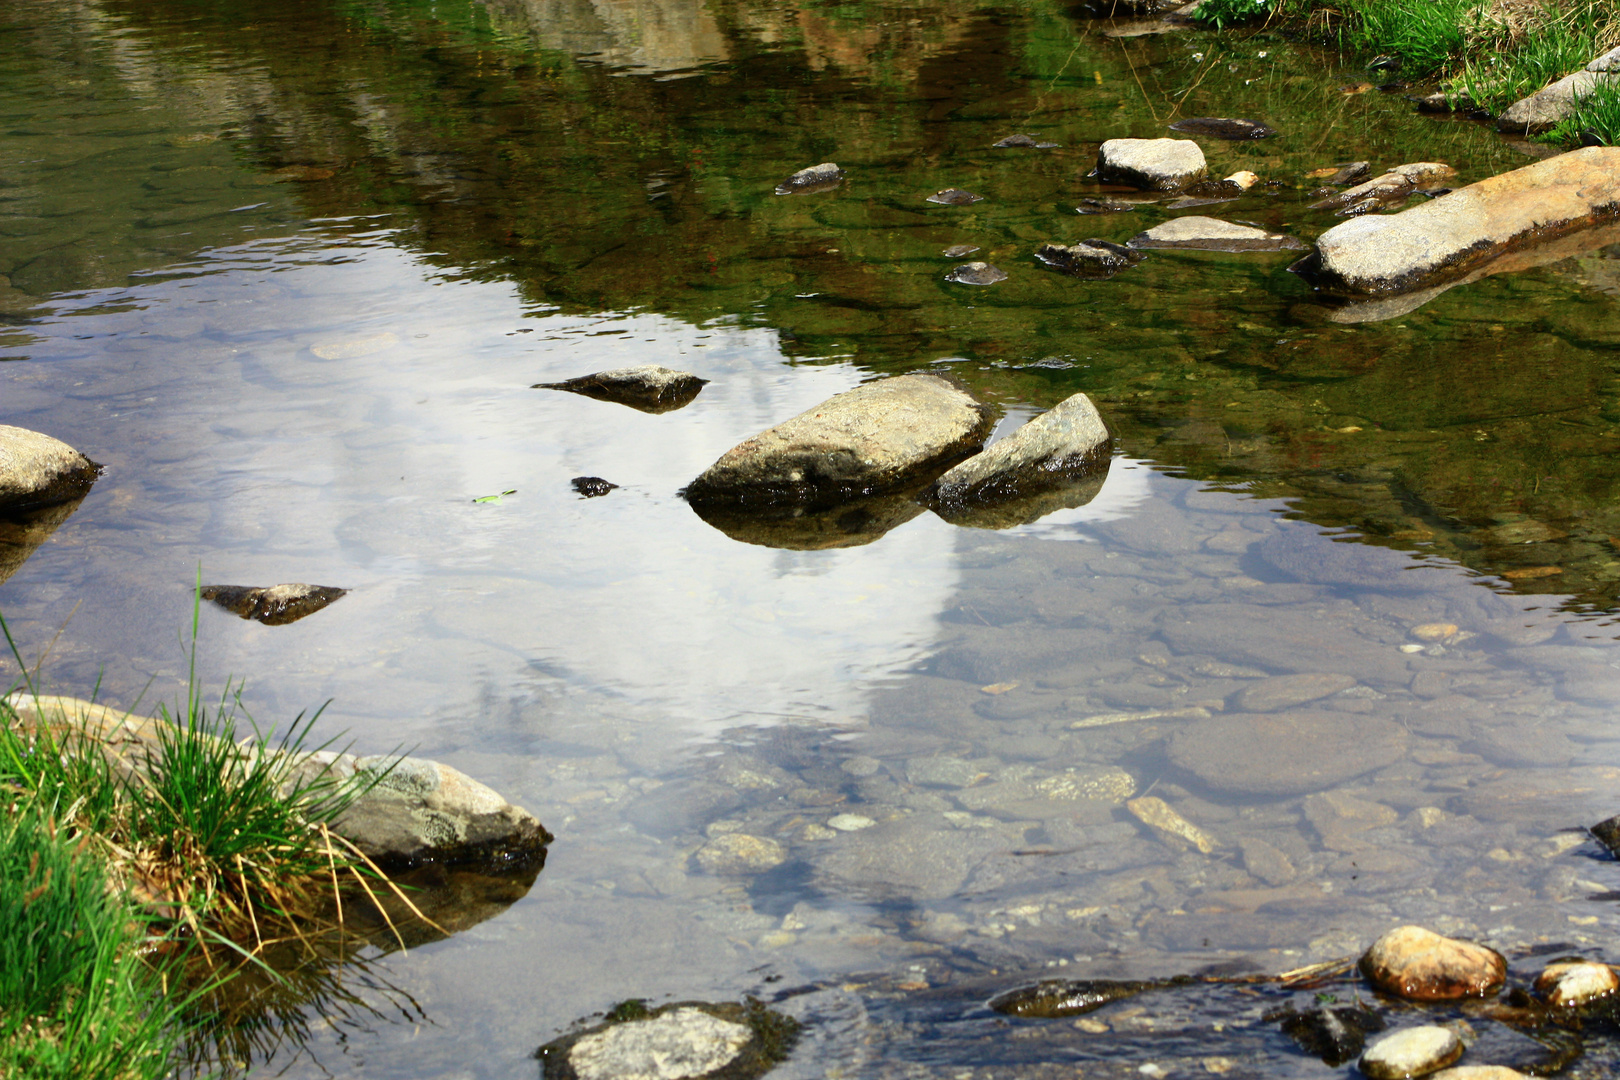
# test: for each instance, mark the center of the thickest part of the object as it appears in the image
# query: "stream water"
(291, 273)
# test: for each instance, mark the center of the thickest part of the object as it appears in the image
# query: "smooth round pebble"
(850, 823)
(1409, 1052)
(1420, 965)
(1478, 1072)
(1570, 984)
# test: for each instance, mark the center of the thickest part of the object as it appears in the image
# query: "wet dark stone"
(274, 605)
(823, 177)
(959, 251)
(591, 487)
(1022, 140)
(1088, 258)
(1222, 128)
(649, 388)
(1334, 1035)
(1608, 834)
(955, 197)
(1211, 190)
(976, 273)
(1103, 206)
(1068, 997)
(1351, 173)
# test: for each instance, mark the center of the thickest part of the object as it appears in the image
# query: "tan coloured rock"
(1156, 813)
(879, 436)
(1151, 164)
(1478, 1072)
(1420, 965)
(1458, 233)
(1571, 984)
(37, 470)
(1212, 234)
(739, 853)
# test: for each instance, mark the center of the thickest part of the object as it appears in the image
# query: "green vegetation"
(1223, 13)
(1596, 119)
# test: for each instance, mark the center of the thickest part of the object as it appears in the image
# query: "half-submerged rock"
(1572, 984)
(1412, 1051)
(648, 387)
(1056, 461)
(1093, 258)
(1212, 234)
(1207, 192)
(1223, 128)
(685, 1040)
(880, 437)
(1420, 965)
(1023, 140)
(1069, 997)
(823, 177)
(1387, 189)
(976, 273)
(275, 605)
(1444, 240)
(955, 197)
(1333, 1034)
(1151, 164)
(37, 470)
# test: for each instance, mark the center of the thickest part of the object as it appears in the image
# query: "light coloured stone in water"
(1420, 965)
(677, 1045)
(1410, 1052)
(1155, 812)
(1114, 785)
(740, 853)
(1212, 234)
(354, 348)
(1266, 862)
(1288, 753)
(850, 822)
(1109, 719)
(943, 772)
(1569, 985)
(976, 273)
(1151, 164)
(1434, 631)
(37, 470)
(1284, 691)
(1340, 818)
(1478, 1072)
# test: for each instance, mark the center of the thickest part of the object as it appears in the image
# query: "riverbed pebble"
(1410, 1052)
(740, 853)
(1571, 984)
(1420, 965)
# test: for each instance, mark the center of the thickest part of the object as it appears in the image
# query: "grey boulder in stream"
(37, 470)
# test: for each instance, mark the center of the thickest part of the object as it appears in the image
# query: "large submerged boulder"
(1151, 164)
(1457, 233)
(879, 437)
(37, 470)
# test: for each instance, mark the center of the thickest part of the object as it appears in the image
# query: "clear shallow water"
(320, 393)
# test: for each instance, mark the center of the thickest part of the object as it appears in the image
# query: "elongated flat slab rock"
(877, 437)
(1440, 241)
(1212, 234)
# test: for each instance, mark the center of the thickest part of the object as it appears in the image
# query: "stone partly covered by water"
(1103, 206)
(823, 177)
(1291, 753)
(1209, 192)
(1088, 258)
(1067, 997)
(1386, 189)
(1420, 965)
(647, 387)
(959, 251)
(1054, 461)
(273, 605)
(882, 435)
(1151, 164)
(1221, 128)
(1431, 244)
(1212, 234)
(1576, 983)
(1023, 140)
(685, 1040)
(955, 197)
(1478, 1072)
(1552, 105)
(1336, 1035)
(740, 853)
(1411, 1052)
(592, 487)
(976, 273)
(37, 470)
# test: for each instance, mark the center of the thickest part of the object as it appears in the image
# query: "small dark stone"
(1334, 1035)
(1088, 258)
(1352, 173)
(1103, 206)
(1022, 140)
(1591, 138)
(591, 487)
(649, 387)
(1068, 997)
(275, 605)
(1545, 1052)
(1608, 834)
(955, 197)
(823, 177)
(1222, 128)
(976, 273)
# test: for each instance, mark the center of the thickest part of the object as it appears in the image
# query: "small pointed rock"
(648, 387)
(275, 605)
(592, 487)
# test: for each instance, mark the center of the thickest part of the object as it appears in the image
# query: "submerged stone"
(823, 177)
(1222, 128)
(955, 197)
(1212, 234)
(275, 605)
(1151, 164)
(1103, 206)
(37, 470)
(592, 487)
(685, 1040)
(648, 387)
(1023, 140)
(1411, 1052)
(1290, 753)
(1068, 997)
(1420, 965)
(1570, 984)
(1335, 1035)
(1098, 259)
(976, 273)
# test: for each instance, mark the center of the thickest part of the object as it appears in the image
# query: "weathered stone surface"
(23, 531)
(739, 853)
(1427, 245)
(976, 273)
(1024, 141)
(1420, 965)
(37, 470)
(647, 387)
(1570, 984)
(1088, 258)
(1411, 1052)
(592, 487)
(1062, 453)
(1212, 234)
(959, 251)
(1389, 188)
(1269, 865)
(1052, 998)
(954, 197)
(275, 605)
(823, 177)
(1478, 1072)
(881, 435)
(417, 811)
(1341, 819)
(685, 1040)
(1157, 815)
(1151, 164)
(1222, 128)
(1550, 106)
(1286, 691)
(1291, 753)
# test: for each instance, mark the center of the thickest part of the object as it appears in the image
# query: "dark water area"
(1339, 614)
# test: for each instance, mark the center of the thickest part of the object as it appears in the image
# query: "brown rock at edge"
(1420, 965)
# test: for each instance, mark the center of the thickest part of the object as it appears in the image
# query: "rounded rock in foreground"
(1420, 965)
(687, 1040)
(1410, 1052)
(1569, 984)
(37, 470)
(976, 273)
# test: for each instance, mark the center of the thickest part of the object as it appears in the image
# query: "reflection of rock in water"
(23, 531)
(647, 35)
(811, 528)
(1025, 506)
(275, 605)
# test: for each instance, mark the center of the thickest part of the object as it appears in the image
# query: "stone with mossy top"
(684, 1040)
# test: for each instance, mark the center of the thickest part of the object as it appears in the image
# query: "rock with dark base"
(1335, 1035)
(1552, 105)
(275, 605)
(1576, 983)
(1151, 164)
(878, 438)
(37, 470)
(592, 487)
(649, 387)
(976, 273)
(1069, 997)
(1410, 1052)
(1420, 965)
(1103, 206)
(1056, 460)
(1023, 140)
(1096, 259)
(1221, 128)
(823, 177)
(1212, 234)
(959, 251)
(1387, 189)
(685, 1040)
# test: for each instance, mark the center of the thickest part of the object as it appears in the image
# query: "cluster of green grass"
(1595, 121)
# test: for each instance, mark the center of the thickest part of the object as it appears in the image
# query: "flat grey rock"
(1088, 258)
(1151, 164)
(1548, 107)
(955, 197)
(1281, 639)
(678, 1045)
(1286, 691)
(1282, 754)
(1212, 234)
(1411, 1052)
(37, 470)
(915, 859)
(1307, 554)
